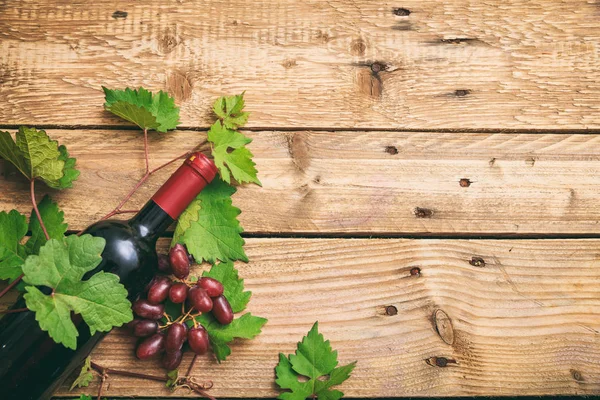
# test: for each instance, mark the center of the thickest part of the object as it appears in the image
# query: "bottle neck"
(151, 222)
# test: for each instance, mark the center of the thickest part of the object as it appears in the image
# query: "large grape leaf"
(317, 363)
(36, 156)
(13, 227)
(146, 110)
(209, 226)
(60, 266)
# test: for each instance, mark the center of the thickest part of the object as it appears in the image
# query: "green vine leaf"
(229, 109)
(36, 156)
(140, 106)
(54, 222)
(60, 266)
(317, 363)
(229, 151)
(13, 228)
(209, 226)
(86, 375)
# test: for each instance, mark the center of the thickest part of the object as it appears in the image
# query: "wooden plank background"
(371, 119)
(336, 63)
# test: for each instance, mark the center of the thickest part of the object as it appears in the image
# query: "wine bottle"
(32, 365)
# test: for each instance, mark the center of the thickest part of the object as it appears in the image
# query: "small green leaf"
(13, 227)
(316, 361)
(85, 375)
(173, 378)
(146, 110)
(229, 110)
(101, 300)
(209, 226)
(85, 397)
(231, 156)
(38, 157)
(53, 219)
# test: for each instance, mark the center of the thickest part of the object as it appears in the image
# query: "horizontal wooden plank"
(364, 63)
(360, 183)
(525, 320)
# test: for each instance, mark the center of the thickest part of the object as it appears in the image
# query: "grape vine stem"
(147, 173)
(39, 217)
(12, 311)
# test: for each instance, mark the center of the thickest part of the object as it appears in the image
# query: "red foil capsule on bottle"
(184, 185)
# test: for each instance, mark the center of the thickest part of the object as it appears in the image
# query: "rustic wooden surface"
(360, 183)
(370, 119)
(313, 63)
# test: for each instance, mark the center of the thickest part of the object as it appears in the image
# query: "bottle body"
(32, 365)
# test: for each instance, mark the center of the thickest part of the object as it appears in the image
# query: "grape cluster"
(202, 296)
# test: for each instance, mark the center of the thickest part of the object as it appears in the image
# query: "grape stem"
(39, 217)
(117, 210)
(106, 371)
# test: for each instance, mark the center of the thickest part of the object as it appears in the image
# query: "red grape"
(147, 310)
(159, 289)
(199, 299)
(151, 346)
(175, 337)
(131, 324)
(222, 310)
(198, 340)
(163, 264)
(178, 292)
(212, 286)
(171, 360)
(180, 263)
(145, 327)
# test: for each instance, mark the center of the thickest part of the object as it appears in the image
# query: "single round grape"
(171, 360)
(163, 264)
(180, 263)
(198, 340)
(178, 292)
(145, 327)
(131, 324)
(145, 309)
(175, 337)
(212, 286)
(222, 310)
(199, 299)
(151, 346)
(159, 290)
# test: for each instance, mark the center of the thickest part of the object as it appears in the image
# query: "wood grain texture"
(526, 321)
(359, 183)
(336, 63)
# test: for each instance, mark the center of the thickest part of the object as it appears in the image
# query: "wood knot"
(577, 375)
(477, 262)
(457, 40)
(401, 12)
(167, 43)
(119, 14)
(289, 63)
(465, 182)
(415, 271)
(443, 326)
(423, 212)
(462, 92)
(393, 150)
(358, 47)
(391, 310)
(441, 362)
(377, 67)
